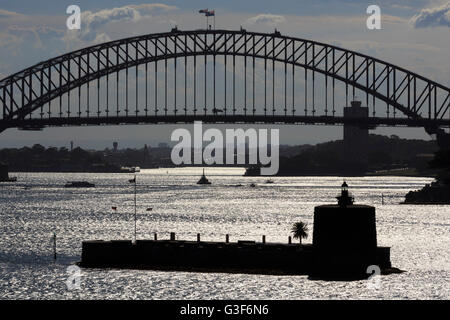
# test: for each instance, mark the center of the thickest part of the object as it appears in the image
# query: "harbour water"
(38, 205)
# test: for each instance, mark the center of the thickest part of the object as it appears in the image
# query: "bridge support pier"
(355, 140)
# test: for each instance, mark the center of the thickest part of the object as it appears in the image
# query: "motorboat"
(79, 184)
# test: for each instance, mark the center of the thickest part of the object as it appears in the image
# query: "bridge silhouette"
(218, 76)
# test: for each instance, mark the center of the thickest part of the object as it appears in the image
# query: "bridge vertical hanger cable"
(185, 75)
(165, 76)
(4, 98)
(98, 85)
(68, 82)
(265, 75)
(137, 78)
(88, 68)
(30, 87)
(388, 88)
(107, 83)
(48, 91)
(415, 94)
(373, 86)
(117, 82)
(326, 82)
(156, 78)
(60, 84)
(429, 100)
(225, 58)
(367, 83)
(353, 76)
(346, 77)
(195, 78)
(435, 94)
(273, 75)
(214, 74)
(42, 94)
(394, 88)
(175, 77)
(206, 69)
(409, 92)
(234, 74)
(22, 89)
(146, 78)
(253, 79)
(285, 77)
(126, 81)
(245, 75)
(313, 79)
(333, 84)
(306, 79)
(293, 78)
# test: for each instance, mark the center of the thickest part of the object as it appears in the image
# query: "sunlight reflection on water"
(37, 205)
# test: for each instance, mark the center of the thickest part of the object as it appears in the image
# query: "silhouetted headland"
(437, 192)
(344, 245)
(385, 156)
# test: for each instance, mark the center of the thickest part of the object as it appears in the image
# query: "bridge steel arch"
(24, 95)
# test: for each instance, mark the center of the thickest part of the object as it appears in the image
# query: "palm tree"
(300, 231)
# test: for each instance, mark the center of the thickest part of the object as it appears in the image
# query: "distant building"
(3, 172)
(146, 154)
(356, 138)
(163, 145)
(115, 145)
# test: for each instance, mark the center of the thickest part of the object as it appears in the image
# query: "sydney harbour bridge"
(218, 76)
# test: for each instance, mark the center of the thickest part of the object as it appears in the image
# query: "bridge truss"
(218, 76)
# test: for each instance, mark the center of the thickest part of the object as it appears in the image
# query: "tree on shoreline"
(300, 231)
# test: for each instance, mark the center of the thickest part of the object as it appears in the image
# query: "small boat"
(10, 179)
(130, 169)
(79, 184)
(269, 181)
(252, 185)
(203, 179)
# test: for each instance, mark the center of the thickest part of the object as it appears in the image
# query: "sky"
(415, 35)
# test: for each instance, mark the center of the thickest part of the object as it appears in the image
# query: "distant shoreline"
(391, 174)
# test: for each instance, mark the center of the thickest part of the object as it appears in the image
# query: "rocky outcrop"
(434, 193)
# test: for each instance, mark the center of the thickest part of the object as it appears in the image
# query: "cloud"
(4, 14)
(93, 21)
(433, 17)
(21, 34)
(268, 19)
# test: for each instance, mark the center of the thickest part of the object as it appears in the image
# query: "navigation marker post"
(134, 181)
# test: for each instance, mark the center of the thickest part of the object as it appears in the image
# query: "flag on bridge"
(210, 13)
(203, 11)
